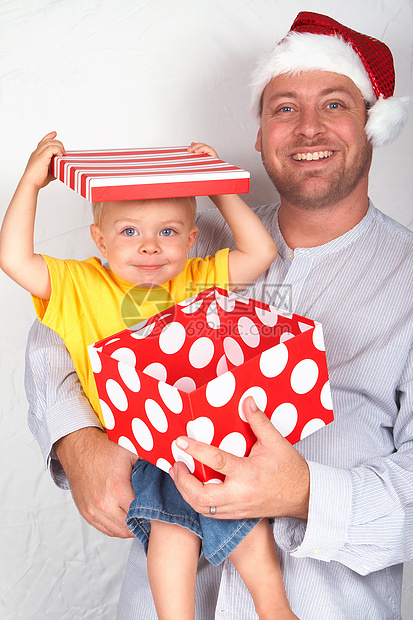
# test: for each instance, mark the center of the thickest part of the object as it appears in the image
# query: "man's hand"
(273, 481)
(99, 473)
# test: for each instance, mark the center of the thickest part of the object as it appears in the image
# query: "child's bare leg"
(256, 561)
(173, 553)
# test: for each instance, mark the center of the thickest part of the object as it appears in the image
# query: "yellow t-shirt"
(89, 303)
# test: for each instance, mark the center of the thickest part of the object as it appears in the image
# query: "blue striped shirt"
(345, 561)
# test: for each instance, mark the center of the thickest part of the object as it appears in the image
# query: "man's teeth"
(312, 156)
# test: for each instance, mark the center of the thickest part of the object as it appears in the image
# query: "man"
(341, 498)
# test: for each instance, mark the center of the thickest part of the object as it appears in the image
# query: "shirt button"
(291, 255)
(315, 551)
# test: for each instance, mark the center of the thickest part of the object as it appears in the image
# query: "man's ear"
(98, 238)
(258, 141)
(191, 237)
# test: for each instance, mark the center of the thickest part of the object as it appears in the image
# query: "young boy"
(146, 244)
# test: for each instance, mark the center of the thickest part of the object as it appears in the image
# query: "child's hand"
(200, 147)
(37, 169)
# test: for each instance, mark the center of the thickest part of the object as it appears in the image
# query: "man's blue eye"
(286, 108)
(334, 105)
(130, 232)
(167, 232)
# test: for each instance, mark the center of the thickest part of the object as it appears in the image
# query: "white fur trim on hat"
(386, 119)
(306, 52)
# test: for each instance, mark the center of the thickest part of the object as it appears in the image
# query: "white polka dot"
(213, 481)
(164, 465)
(172, 337)
(180, 455)
(225, 302)
(285, 418)
(144, 331)
(325, 396)
(286, 336)
(94, 358)
(138, 325)
(212, 316)
(304, 376)
(201, 352)
(126, 443)
(185, 384)
(130, 377)
(162, 317)
(318, 339)
(248, 332)
(267, 318)
(193, 307)
(125, 355)
(219, 391)
(222, 366)
(234, 443)
(304, 327)
(116, 395)
(108, 416)
(240, 298)
(233, 351)
(142, 434)
(156, 370)
(201, 429)
(274, 360)
(111, 341)
(171, 397)
(187, 302)
(258, 394)
(156, 415)
(311, 427)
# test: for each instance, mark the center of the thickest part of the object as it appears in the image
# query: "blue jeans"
(157, 498)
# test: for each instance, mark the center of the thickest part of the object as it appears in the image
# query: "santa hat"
(317, 42)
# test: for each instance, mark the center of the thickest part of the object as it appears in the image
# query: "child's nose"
(149, 246)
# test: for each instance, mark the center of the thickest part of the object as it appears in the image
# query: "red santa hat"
(317, 42)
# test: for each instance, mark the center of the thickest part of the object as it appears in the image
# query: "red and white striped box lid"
(137, 174)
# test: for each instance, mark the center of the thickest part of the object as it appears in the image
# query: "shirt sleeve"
(208, 271)
(57, 403)
(361, 517)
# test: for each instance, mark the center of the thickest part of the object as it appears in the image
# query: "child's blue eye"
(130, 232)
(167, 232)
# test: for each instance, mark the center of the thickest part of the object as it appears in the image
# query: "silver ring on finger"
(212, 510)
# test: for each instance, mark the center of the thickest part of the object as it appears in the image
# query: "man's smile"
(312, 156)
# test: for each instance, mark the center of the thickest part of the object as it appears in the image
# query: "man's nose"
(310, 123)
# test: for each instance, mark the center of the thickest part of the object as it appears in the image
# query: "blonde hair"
(99, 208)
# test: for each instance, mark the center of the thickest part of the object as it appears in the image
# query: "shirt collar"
(328, 248)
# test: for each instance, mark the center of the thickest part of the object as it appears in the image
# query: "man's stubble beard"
(342, 182)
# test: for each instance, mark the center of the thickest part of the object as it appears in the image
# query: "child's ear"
(192, 236)
(98, 238)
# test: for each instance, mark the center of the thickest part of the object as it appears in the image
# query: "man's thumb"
(258, 421)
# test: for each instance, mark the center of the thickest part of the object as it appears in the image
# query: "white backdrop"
(112, 74)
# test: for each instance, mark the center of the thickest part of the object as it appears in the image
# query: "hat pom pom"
(386, 119)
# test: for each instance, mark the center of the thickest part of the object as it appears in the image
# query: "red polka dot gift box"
(141, 174)
(187, 370)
